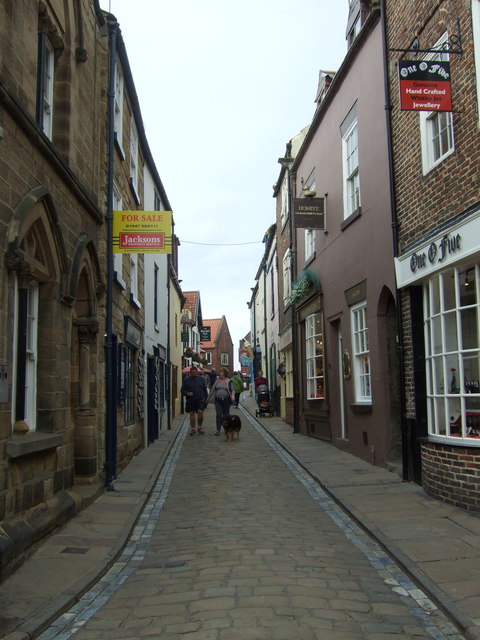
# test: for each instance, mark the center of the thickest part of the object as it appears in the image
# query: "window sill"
(310, 260)
(119, 281)
(351, 218)
(134, 191)
(135, 301)
(453, 441)
(119, 147)
(32, 442)
(360, 409)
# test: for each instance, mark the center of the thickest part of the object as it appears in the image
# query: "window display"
(452, 345)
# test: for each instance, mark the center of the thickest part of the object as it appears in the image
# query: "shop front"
(441, 275)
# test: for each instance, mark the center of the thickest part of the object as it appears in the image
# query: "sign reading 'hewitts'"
(142, 232)
(425, 85)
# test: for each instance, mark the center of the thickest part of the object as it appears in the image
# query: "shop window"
(314, 357)
(126, 380)
(436, 127)
(361, 354)
(452, 346)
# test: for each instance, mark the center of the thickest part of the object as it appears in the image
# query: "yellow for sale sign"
(142, 232)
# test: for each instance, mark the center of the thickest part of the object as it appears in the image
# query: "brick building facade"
(436, 171)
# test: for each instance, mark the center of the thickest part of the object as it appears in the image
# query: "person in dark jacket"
(195, 391)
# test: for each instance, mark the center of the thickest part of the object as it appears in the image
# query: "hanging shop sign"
(205, 334)
(309, 213)
(142, 232)
(425, 85)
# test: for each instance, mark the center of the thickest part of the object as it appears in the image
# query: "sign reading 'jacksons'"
(425, 85)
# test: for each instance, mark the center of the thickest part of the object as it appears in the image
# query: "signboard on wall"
(425, 85)
(205, 334)
(142, 232)
(309, 213)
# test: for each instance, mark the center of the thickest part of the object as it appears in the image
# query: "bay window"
(452, 350)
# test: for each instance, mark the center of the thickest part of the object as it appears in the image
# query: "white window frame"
(476, 47)
(224, 359)
(314, 357)
(47, 87)
(436, 127)
(134, 155)
(287, 276)
(208, 357)
(284, 202)
(351, 172)
(118, 257)
(452, 354)
(310, 237)
(361, 354)
(134, 278)
(118, 104)
(30, 408)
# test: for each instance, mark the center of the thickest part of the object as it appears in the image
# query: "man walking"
(195, 391)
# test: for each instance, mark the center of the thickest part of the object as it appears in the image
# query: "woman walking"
(223, 394)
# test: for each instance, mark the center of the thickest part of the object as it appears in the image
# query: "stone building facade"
(436, 167)
(53, 59)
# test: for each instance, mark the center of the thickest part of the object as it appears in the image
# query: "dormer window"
(357, 15)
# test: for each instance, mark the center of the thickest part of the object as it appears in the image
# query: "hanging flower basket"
(307, 281)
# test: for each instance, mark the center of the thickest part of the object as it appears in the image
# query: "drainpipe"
(393, 208)
(110, 417)
(169, 364)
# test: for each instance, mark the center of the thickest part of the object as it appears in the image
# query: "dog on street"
(232, 425)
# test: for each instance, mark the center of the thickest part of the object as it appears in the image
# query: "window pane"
(449, 301)
(469, 328)
(451, 342)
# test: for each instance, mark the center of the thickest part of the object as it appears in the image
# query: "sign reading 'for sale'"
(142, 232)
(425, 85)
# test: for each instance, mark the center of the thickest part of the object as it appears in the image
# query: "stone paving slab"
(368, 493)
(392, 510)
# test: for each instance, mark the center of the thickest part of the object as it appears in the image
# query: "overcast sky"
(222, 87)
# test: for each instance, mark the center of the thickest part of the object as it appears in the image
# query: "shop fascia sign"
(142, 232)
(451, 246)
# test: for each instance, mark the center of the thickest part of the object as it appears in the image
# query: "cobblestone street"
(239, 549)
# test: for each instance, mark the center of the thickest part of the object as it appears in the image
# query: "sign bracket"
(453, 45)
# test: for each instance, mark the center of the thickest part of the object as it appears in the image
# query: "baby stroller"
(263, 402)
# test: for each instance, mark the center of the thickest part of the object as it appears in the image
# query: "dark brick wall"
(452, 474)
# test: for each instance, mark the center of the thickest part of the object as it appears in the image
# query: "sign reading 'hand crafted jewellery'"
(425, 85)
(142, 232)
(309, 213)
